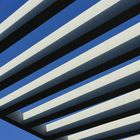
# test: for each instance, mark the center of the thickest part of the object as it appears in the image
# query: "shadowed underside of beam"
(65, 34)
(71, 46)
(41, 13)
(113, 47)
(102, 108)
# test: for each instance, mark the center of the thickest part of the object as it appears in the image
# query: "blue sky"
(7, 7)
(11, 132)
(7, 131)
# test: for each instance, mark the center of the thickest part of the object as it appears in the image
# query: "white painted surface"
(99, 50)
(94, 110)
(105, 127)
(85, 89)
(136, 137)
(18, 14)
(56, 35)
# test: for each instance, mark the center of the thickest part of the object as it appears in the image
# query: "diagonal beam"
(124, 103)
(43, 12)
(22, 15)
(124, 125)
(68, 32)
(71, 46)
(84, 93)
(75, 66)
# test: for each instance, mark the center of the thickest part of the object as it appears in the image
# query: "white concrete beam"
(89, 19)
(95, 113)
(27, 11)
(136, 137)
(91, 58)
(109, 129)
(84, 93)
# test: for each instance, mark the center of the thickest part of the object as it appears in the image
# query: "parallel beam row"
(94, 33)
(124, 125)
(113, 47)
(71, 30)
(104, 108)
(19, 24)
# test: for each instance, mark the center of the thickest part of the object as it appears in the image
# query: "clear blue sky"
(7, 7)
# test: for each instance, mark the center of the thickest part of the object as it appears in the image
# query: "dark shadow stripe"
(34, 23)
(71, 46)
(123, 135)
(126, 89)
(72, 81)
(83, 105)
(94, 124)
